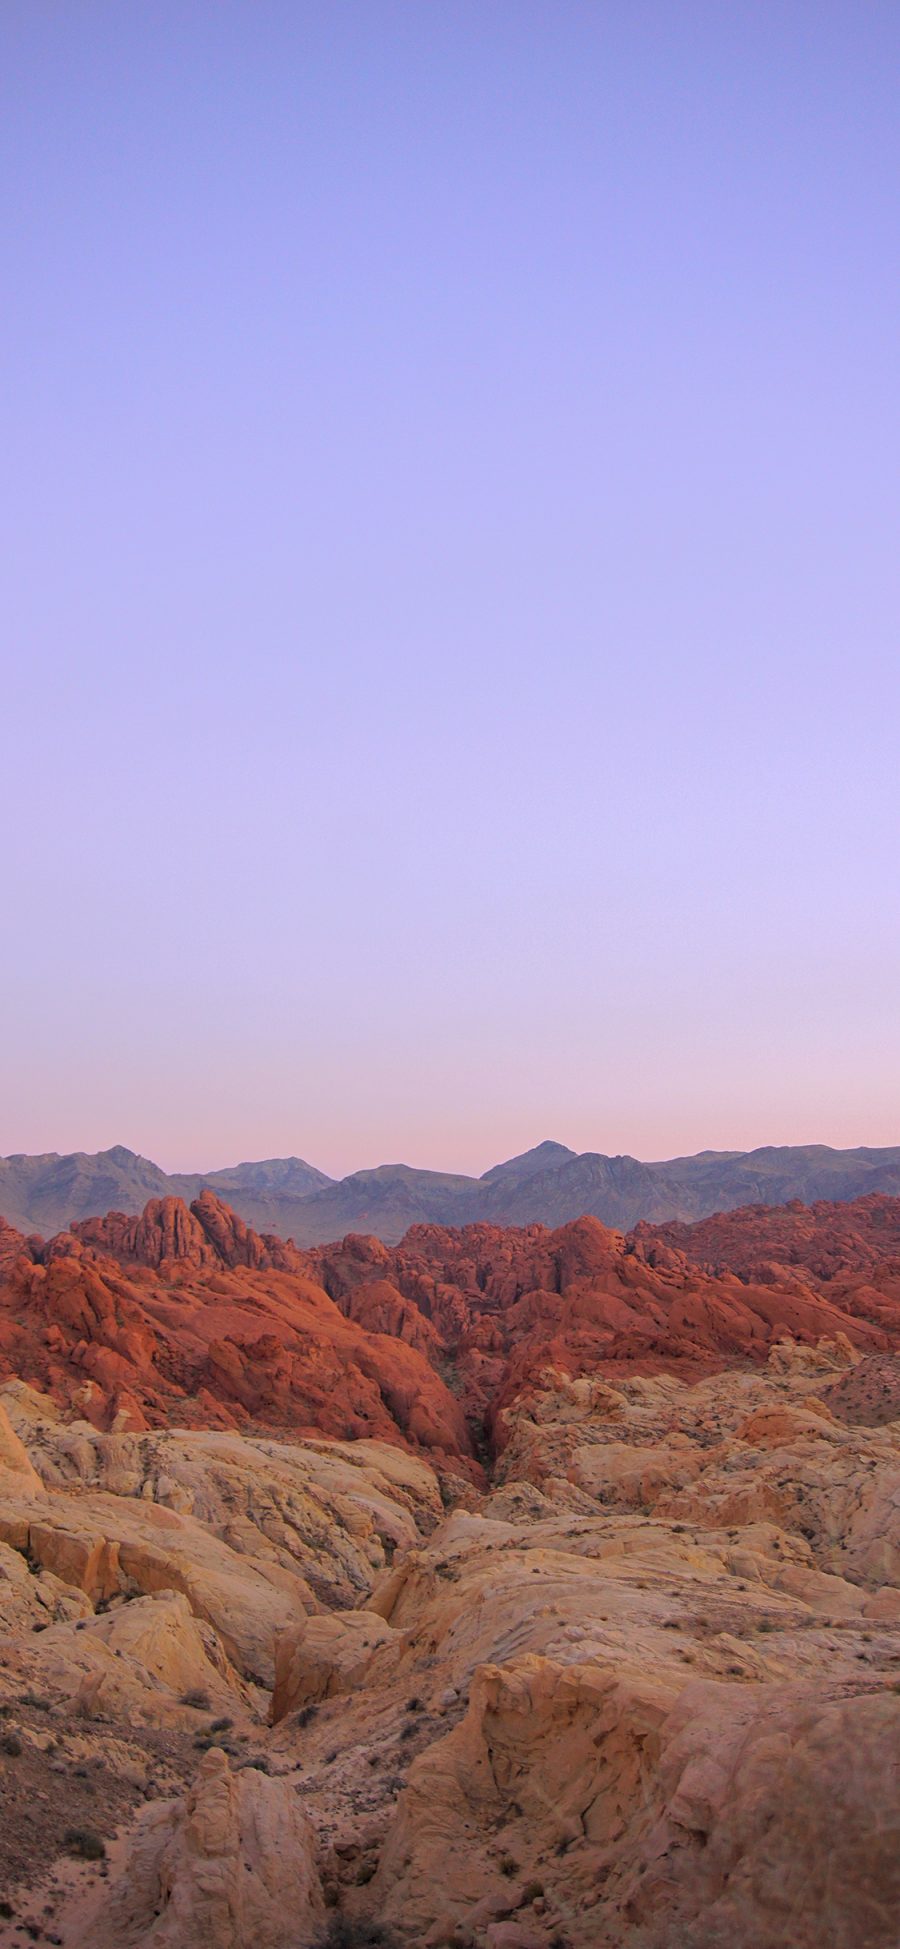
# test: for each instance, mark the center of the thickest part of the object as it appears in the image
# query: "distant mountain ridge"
(47, 1193)
(549, 1185)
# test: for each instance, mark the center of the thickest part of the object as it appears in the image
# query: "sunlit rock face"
(614, 1660)
(188, 1317)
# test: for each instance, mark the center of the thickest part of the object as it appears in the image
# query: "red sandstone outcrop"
(189, 1315)
(644, 1687)
(505, 1304)
(825, 1239)
(210, 1233)
(186, 1316)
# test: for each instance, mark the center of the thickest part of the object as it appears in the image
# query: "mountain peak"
(548, 1184)
(541, 1158)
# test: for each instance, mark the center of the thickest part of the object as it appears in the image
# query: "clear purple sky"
(451, 589)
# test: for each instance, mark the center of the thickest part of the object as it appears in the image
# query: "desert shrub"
(84, 1842)
(11, 1745)
(344, 1933)
(221, 1725)
(198, 1700)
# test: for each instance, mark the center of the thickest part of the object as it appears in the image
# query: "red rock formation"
(210, 1233)
(198, 1327)
(827, 1240)
(190, 1316)
(508, 1303)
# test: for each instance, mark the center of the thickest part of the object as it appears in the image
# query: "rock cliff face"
(186, 1315)
(628, 1675)
(230, 1865)
(506, 1304)
(830, 1242)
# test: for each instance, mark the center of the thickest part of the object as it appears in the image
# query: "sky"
(451, 680)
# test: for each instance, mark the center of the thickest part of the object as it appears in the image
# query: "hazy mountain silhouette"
(550, 1184)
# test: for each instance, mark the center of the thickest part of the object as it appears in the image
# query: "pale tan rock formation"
(29, 1601)
(642, 1693)
(231, 1866)
(637, 1811)
(139, 1661)
(17, 1476)
(321, 1657)
(253, 1534)
(632, 1724)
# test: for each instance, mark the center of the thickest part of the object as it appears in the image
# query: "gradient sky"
(450, 517)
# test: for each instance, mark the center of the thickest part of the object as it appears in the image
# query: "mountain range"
(550, 1184)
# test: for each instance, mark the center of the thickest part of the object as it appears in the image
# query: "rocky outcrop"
(17, 1474)
(251, 1537)
(190, 1316)
(827, 1240)
(209, 1234)
(165, 1232)
(644, 1687)
(692, 1812)
(232, 1865)
(187, 1316)
(320, 1657)
(637, 1684)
